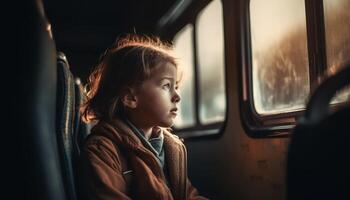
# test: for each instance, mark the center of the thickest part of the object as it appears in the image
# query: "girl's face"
(157, 97)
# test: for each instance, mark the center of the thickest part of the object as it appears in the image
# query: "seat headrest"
(61, 57)
(318, 161)
(318, 105)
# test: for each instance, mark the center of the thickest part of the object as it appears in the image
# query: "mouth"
(173, 111)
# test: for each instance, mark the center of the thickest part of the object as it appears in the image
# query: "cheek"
(158, 101)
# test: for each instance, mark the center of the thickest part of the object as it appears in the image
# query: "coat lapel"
(174, 155)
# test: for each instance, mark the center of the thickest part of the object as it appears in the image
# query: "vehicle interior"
(265, 105)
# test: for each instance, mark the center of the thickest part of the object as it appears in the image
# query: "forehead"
(164, 70)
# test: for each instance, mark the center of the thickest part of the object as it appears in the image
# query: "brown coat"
(102, 165)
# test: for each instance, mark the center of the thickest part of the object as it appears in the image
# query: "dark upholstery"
(35, 110)
(65, 124)
(82, 129)
(318, 157)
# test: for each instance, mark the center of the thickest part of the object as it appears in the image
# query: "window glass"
(337, 27)
(280, 74)
(183, 48)
(210, 54)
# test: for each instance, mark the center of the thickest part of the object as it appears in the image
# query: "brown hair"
(128, 62)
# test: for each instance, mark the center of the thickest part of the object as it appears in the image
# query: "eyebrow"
(170, 78)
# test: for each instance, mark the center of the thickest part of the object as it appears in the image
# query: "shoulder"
(97, 144)
(169, 133)
(99, 138)
(98, 147)
(100, 153)
(97, 141)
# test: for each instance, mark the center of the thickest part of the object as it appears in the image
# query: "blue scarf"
(155, 144)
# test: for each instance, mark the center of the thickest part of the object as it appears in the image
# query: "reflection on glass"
(337, 26)
(183, 48)
(210, 46)
(279, 55)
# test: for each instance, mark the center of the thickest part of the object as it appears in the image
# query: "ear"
(128, 98)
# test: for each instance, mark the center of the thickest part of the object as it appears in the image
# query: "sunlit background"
(210, 63)
(279, 51)
(183, 43)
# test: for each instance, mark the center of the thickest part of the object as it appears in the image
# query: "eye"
(166, 86)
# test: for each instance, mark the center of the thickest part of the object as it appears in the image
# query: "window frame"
(185, 16)
(279, 125)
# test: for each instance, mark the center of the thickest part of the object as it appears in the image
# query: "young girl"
(131, 153)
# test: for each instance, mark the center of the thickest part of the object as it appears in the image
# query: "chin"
(167, 124)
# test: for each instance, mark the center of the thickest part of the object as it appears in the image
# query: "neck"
(146, 129)
(147, 132)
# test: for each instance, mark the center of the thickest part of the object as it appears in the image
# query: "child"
(130, 153)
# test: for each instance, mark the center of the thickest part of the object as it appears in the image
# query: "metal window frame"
(279, 125)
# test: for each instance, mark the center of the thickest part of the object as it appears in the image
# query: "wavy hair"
(128, 62)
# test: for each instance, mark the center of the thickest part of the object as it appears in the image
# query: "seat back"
(65, 124)
(318, 158)
(35, 111)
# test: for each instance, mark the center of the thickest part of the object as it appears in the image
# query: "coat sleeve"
(192, 192)
(100, 176)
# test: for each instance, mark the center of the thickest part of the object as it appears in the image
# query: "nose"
(176, 97)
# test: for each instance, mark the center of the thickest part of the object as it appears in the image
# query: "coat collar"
(175, 152)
